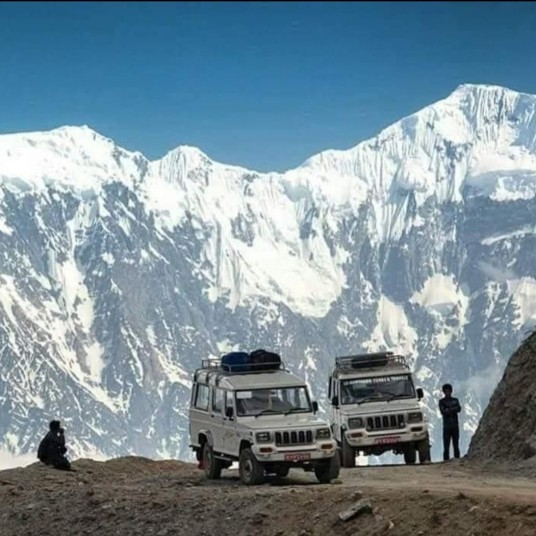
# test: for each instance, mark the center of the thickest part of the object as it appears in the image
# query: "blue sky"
(264, 85)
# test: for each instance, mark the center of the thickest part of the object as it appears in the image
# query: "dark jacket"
(52, 448)
(449, 408)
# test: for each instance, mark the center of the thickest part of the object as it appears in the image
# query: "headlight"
(416, 416)
(323, 433)
(356, 422)
(263, 437)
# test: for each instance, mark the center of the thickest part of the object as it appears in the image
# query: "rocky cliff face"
(507, 431)
(118, 274)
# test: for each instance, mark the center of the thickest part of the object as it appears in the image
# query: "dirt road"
(134, 496)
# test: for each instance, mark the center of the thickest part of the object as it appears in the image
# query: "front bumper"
(270, 453)
(362, 438)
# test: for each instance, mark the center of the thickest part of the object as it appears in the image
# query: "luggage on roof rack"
(236, 362)
(264, 360)
(359, 361)
(257, 361)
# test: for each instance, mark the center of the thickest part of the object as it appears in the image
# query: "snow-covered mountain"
(118, 274)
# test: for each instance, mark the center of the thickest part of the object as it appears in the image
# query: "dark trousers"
(60, 462)
(63, 464)
(451, 434)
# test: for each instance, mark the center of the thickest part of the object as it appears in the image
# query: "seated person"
(52, 448)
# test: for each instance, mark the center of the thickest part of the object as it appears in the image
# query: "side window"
(201, 399)
(329, 389)
(218, 400)
(229, 401)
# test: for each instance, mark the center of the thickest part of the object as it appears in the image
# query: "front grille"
(296, 437)
(385, 422)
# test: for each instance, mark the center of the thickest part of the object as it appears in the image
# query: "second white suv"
(376, 408)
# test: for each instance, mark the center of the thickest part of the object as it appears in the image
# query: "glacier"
(118, 273)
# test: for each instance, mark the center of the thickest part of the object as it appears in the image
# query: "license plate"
(387, 440)
(297, 457)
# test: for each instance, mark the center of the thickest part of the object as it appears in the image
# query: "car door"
(217, 418)
(335, 409)
(231, 436)
(199, 411)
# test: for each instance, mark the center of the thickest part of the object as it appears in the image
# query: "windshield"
(270, 401)
(375, 389)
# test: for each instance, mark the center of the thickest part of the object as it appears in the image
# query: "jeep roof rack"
(372, 360)
(214, 365)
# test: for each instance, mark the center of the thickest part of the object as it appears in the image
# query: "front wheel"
(250, 470)
(423, 448)
(211, 464)
(410, 455)
(347, 453)
(328, 470)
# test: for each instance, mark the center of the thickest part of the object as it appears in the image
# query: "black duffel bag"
(264, 360)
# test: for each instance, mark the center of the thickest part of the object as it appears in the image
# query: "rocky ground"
(135, 496)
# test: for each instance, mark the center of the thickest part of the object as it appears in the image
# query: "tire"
(211, 465)
(282, 472)
(328, 470)
(250, 470)
(347, 453)
(423, 448)
(410, 455)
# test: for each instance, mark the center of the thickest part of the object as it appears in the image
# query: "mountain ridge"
(462, 90)
(118, 274)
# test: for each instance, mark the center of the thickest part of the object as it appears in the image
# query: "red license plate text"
(387, 440)
(299, 456)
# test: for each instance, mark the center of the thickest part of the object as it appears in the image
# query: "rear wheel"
(250, 470)
(410, 455)
(328, 470)
(211, 464)
(423, 448)
(347, 453)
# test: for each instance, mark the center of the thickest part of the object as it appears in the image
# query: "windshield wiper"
(387, 393)
(291, 410)
(263, 411)
(366, 399)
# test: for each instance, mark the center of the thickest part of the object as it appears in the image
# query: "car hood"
(280, 422)
(377, 408)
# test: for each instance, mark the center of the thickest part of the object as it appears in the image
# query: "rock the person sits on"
(52, 448)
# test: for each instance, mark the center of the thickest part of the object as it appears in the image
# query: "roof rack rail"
(373, 360)
(215, 365)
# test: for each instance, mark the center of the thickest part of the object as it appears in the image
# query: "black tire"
(347, 453)
(328, 470)
(410, 455)
(250, 470)
(282, 472)
(423, 448)
(211, 464)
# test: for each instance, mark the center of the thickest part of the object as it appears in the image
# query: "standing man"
(449, 408)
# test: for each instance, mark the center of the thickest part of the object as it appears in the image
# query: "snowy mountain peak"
(75, 157)
(481, 88)
(188, 156)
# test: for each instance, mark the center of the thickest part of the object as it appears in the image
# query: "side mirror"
(315, 406)
(229, 412)
(420, 393)
(335, 401)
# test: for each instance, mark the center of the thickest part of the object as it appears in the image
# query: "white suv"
(264, 419)
(376, 408)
